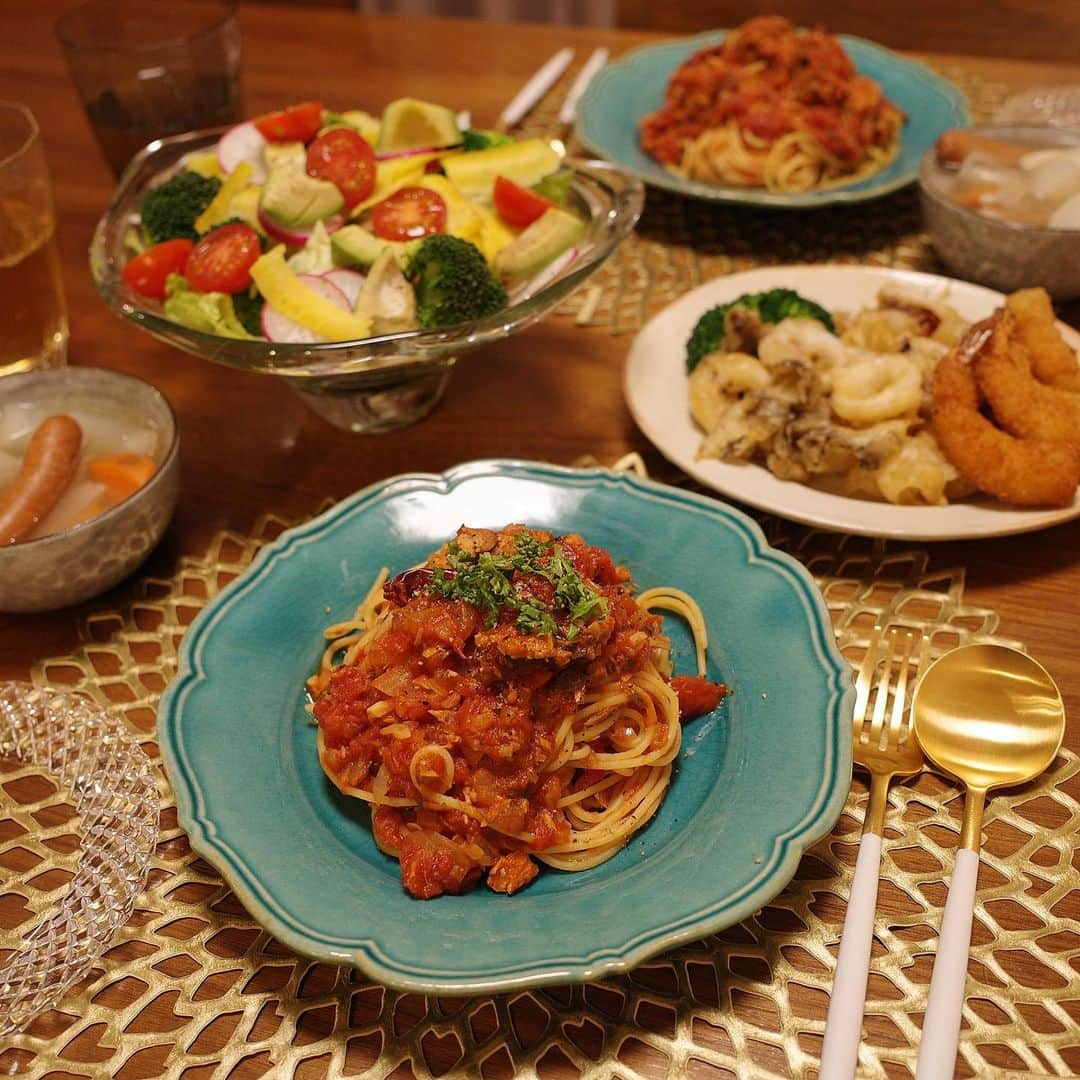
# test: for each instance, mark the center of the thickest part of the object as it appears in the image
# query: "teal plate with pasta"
(634, 84)
(756, 782)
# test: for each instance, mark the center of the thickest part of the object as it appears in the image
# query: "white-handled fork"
(885, 750)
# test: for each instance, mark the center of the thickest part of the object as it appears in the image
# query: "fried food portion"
(1024, 471)
(1052, 361)
(1022, 405)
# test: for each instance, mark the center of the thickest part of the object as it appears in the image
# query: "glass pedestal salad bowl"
(376, 380)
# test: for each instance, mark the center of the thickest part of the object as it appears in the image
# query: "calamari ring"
(876, 388)
(1022, 405)
(1027, 472)
(1052, 361)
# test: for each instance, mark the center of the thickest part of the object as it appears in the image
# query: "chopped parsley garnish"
(486, 582)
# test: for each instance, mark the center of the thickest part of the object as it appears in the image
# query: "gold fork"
(884, 750)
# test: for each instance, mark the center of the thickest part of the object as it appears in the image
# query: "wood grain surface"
(552, 393)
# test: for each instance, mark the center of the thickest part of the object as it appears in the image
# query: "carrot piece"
(973, 195)
(123, 474)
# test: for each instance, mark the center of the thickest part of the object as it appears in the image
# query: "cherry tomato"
(147, 272)
(518, 206)
(409, 214)
(296, 123)
(221, 261)
(345, 158)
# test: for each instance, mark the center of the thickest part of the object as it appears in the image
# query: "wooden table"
(553, 393)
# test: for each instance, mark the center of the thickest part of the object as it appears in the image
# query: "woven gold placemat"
(681, 243)
(193, 988)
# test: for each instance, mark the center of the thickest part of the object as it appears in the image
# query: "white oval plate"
(655, 385)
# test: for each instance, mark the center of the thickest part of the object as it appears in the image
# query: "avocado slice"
(277, 155)
(354, 246)
(387, 298)
(547, 237)
(293, 199)
(411, 124)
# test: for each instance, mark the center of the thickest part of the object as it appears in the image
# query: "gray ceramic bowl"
(76, 564)
(1004, 255)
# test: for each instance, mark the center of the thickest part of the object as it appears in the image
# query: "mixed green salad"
(307, 225)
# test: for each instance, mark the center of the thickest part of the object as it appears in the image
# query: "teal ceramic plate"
(624, 91)
(757, 782)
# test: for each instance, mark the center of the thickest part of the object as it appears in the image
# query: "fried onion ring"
(1027, 472)
(1052, 361)
(1021, 404)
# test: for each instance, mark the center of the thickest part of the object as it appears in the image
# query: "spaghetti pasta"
(510, 700)
(773, 107)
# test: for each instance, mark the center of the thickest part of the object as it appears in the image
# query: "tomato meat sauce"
(449, 714)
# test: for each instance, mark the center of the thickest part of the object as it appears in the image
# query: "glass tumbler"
(33, 317)
(145, 70)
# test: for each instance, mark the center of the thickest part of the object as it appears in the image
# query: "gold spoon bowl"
(992, 717)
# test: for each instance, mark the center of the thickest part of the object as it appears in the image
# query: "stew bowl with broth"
(976, 239)
(89, 476)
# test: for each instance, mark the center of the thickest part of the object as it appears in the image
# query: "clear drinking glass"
(33, 318)
(144, 70)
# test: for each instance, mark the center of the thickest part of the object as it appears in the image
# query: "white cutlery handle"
(941, 1025)
(843, 1026)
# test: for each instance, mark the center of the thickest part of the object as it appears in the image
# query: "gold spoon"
(990, 716)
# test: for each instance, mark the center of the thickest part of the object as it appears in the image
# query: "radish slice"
(277, 327)
(543, 278)
(293, 235)
(349, 282)
(414, 151)
(242, 143)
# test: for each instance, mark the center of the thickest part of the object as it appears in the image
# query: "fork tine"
(864, 680)
(882, 698)
(893, 734)
(908, 731)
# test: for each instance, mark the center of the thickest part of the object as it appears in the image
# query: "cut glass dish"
(68, 745)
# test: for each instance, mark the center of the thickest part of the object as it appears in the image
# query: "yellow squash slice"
(219, 208)
(391, 176)
(283, 290)
(526, 163)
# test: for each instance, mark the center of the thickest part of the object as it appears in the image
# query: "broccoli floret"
(474, 139)
(773, 306)
(170, 209)
(706, 336)
(779, 304)
(452, 282)
(248, 305)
